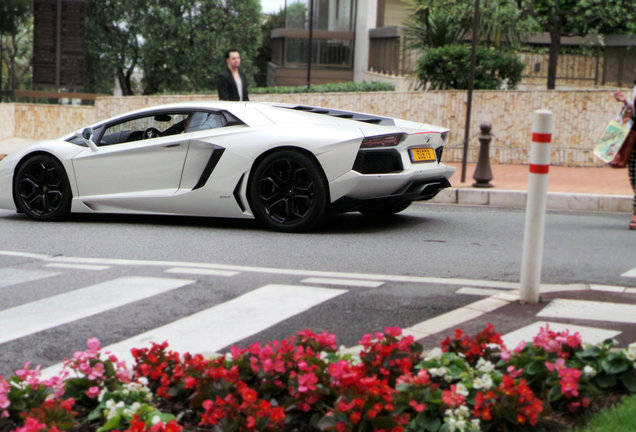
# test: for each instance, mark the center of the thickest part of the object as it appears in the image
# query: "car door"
(142, 156)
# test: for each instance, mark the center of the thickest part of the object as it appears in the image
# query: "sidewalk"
(569, 188)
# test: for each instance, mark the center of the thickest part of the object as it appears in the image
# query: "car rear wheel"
(41, 189)
(385, 210)
(288, 192)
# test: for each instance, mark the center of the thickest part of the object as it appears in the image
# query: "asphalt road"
(432, 240)
(407, 269)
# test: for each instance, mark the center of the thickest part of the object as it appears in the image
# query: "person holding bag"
(629, 144)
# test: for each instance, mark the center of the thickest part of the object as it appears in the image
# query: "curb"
(517, 199)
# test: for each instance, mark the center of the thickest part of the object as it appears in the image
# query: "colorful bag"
(613, 139)
(622, 156)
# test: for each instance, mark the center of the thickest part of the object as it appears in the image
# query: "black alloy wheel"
(41, 189)
(288, 192)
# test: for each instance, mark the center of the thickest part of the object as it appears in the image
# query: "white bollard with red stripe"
(535, 206)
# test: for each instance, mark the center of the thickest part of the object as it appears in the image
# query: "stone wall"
(580, 116)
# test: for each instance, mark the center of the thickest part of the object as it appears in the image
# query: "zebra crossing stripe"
(210, 330)
(343, 282)
(630, 273)
(202, 272)
(590, 310)
(10, 277)
(53, 311)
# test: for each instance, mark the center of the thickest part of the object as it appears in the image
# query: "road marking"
(343, 282)
(630, 273)
(78, 266)
(206, 272)
(61, 309)
(270, 270)
(589, 335)
(590, 310)
(210, 330)
(10, 277)
(481, 291)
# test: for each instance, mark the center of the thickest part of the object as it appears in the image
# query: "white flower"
(475, 425)
(589, 371)
(630, 354)
(437, 372)
(478, 383)
(143, 381)
(435, 354)
(156, 419)
(135, 407)
(461, 389)
(485, 365)
(462, 411)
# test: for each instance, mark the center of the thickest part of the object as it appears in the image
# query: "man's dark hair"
(228, 51)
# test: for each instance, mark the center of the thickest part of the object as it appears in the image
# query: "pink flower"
(92, 392)
(97, 372)
(514, 372)
(93, 344)
(307, 382)
(520, 347)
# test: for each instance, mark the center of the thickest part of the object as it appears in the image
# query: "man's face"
(234, 60)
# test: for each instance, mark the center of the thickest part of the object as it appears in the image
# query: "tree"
(443, 27)
(113, 40)
(578, 18)
(14, 16)
(435, 23)
(177, 45)
(185, 42)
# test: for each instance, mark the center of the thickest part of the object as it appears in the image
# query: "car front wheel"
(288, 192)
(41, 189)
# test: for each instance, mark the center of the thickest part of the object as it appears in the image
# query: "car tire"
(385, 210)
(288, 192)
(41, 189)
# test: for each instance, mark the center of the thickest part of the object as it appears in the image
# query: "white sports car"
(285, 165)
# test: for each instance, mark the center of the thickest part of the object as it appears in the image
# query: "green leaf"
(629, 380)
(605, 381)
(112, 423)
(534, 368)
(431, 423)
(615, 363)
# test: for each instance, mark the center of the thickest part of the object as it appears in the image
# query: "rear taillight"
(382, 141)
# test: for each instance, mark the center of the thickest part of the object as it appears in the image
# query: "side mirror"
(87, 135)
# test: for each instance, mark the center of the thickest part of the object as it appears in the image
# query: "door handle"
(171, 145)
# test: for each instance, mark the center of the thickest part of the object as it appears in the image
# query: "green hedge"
(326, 88)
(447, 67)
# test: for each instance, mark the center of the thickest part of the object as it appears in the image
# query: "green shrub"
(326, 88)
(448, 67)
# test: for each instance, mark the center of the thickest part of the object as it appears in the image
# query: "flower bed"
(303, 383)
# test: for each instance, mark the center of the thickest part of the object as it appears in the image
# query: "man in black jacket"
(232, 84)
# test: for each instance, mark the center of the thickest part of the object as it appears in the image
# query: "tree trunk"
(555, 46)
(124, 83)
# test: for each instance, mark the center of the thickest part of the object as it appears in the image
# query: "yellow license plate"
(422, 154)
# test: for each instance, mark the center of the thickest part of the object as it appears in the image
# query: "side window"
(140, 128)
(205, 120)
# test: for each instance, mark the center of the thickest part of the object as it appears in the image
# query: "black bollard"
(483, 173)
